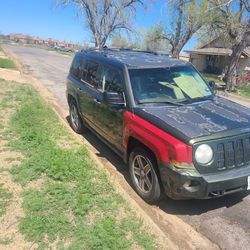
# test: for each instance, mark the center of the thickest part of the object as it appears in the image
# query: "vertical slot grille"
(220, 156)
(230, 161)
(247, 150)
(233, 153)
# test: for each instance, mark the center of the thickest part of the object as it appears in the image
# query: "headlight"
(204, 154)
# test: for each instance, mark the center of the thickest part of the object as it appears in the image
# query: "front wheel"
(75, 118)
(142, 168)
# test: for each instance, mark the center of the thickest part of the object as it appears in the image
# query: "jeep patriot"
(164, 120)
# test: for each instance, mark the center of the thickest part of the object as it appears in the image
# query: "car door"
(88, 96)
(109, 118)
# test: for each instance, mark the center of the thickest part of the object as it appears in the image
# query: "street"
(225, 221)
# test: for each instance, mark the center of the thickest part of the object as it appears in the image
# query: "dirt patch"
(36, 184)
(9, 158)
(2, 55)
(10, 237)
(11, 75)
(10, 220)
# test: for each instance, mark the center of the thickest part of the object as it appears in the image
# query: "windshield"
(168, 85)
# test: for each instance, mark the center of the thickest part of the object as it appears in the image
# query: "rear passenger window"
(111, 80)
(74, 70)
(92, 76)
(82, 69)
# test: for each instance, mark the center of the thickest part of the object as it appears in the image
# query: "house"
(24, 39)
(19, 38)
(184, 57)
(27, 39)
(212, 57)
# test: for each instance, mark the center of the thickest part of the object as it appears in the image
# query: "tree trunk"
(177, 36)
(176, 49)
(231, 73)
(175, 52)
(237, 50)
(97, 41)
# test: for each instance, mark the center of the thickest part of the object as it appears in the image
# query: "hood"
(201, 119)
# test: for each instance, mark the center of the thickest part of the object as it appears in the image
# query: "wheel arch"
(133, 143)
(71, 97)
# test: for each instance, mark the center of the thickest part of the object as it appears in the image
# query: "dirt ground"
(11, 75)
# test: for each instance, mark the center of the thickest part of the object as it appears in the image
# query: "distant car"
(50, 45)
(64, 49)
(164, 120)
(67, 49)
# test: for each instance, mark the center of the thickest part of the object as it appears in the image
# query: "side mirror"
(212, 85)
(113, 98)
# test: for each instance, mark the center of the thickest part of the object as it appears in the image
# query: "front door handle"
(97, 101)
(79, 89)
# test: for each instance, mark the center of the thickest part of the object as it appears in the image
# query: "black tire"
(76, 121)
(148, 173)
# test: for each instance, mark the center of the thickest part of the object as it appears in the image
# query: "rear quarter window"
(74, 69)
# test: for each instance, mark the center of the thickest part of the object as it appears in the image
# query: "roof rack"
(106, 49)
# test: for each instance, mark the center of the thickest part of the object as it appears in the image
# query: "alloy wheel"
(142, 173)
(74, 116)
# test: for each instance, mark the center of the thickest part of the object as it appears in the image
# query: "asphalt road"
(225, 221)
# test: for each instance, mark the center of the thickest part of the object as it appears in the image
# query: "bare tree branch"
(191, 16)
(104, 17)
(225, 4)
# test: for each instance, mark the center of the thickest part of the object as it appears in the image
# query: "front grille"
(232, 153)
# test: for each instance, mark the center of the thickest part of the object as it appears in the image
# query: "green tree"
(152, 38)
(118, 40)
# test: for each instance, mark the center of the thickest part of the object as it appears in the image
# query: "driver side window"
(111, 80)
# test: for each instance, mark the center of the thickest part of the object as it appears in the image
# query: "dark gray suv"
(164, 120)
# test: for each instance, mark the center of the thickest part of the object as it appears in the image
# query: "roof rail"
(106, 49)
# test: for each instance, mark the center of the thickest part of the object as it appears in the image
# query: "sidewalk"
(236, 98)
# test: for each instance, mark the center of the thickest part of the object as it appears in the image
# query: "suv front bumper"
(190, 184)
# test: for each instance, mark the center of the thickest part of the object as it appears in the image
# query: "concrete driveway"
(225, 221)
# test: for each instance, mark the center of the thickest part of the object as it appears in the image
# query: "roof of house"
(135, 58)
(217, 51)
(204, 50)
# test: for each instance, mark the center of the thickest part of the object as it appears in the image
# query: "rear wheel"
(142, 168)
(75, 118)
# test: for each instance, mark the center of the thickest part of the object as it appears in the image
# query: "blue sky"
(41, 18)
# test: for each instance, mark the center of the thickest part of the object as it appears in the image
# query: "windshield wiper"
(197, 99)
(167, 102)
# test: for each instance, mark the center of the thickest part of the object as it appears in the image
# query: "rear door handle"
(79, 89)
